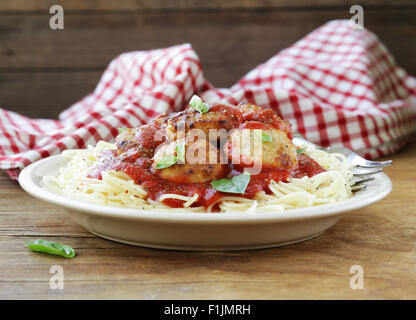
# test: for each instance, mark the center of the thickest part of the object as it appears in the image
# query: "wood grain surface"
(44, 71)
(187, 5)
(380, 238)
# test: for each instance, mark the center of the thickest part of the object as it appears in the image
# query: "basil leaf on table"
(197, 104)
(166, 162)
(51, 248)
(237, 184)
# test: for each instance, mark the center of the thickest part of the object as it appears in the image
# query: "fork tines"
(367, 174)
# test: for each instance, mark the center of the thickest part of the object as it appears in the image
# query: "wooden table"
(380, 238)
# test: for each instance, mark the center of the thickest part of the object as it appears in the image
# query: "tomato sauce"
(135, 161)
(140, 172)
(269, 118)
(306, 167)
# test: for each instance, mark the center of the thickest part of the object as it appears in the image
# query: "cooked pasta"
(118, 189)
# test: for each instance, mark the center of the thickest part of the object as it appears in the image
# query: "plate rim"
(27, 182)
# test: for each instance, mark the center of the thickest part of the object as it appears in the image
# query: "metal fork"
(364, 169)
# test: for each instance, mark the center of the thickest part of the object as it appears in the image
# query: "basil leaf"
(265, 137)
(299, 151)
(237, 184)
(180, 152)
(205, 108)
(197, 104)
(51, 248)
(120, 130)
(166, 162)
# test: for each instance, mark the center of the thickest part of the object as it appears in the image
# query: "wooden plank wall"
(43, 71)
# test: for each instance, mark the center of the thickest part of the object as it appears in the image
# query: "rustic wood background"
(43, 71)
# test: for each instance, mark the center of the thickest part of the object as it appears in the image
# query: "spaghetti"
(118, 189)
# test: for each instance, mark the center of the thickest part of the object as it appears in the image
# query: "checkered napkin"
(337, 86)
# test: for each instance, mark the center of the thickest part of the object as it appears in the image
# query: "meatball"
(218, 117)
(248, 145)
(143, 140)
(248, 107)
(267, 116)
(202, 162)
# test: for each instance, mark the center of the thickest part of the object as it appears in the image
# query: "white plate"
(199, 231)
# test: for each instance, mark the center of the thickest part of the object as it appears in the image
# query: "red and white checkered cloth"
(337, 86)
